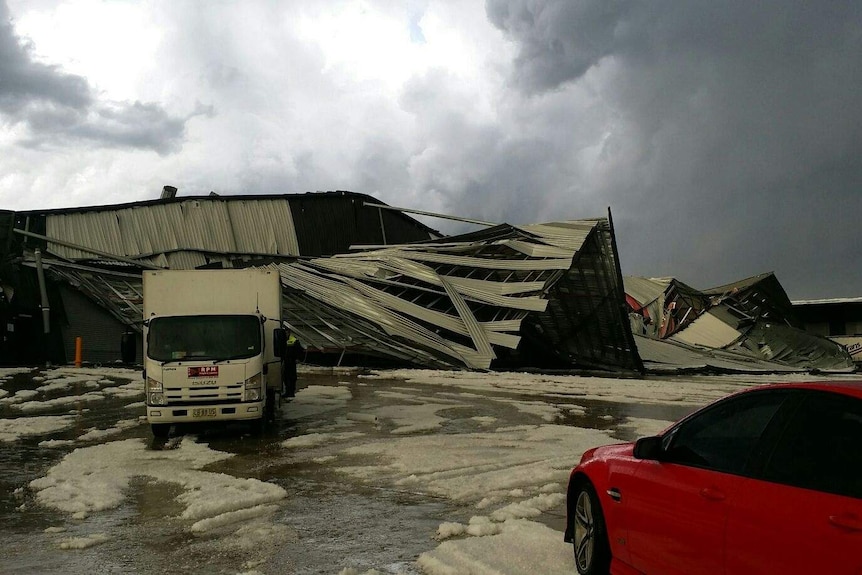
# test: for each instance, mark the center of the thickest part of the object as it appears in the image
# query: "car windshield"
(215, 337)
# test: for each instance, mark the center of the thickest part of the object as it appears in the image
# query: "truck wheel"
(160, 430)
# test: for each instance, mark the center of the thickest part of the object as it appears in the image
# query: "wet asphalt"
(328, 522)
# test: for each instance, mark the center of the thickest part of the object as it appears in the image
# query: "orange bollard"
(78, 345)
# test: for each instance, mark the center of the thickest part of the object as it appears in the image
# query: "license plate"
(204, 412)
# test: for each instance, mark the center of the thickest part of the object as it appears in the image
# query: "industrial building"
(358, 279)
(93, 262)
(364, 282)
(839, 319)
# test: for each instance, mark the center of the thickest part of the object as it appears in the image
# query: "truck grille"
(180, 395)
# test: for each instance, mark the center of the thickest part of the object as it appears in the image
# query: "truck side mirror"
(279, 341)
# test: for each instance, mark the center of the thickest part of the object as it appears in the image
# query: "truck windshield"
(203, 337)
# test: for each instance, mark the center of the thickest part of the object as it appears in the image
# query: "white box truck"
(212, 341)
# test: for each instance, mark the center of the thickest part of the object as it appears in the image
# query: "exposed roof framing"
(454, 302)
(752, 317)
(465, 301)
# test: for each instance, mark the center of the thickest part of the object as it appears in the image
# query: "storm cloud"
(61, 109)
(732, 129)
(723, 136)
(25, 81)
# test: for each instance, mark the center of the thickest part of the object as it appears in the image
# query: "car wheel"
(160, 430)
(592, 552)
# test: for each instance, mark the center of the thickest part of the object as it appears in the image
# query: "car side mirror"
(648, 448)
(279, 341)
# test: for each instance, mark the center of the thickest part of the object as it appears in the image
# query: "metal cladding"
(467, 301)
(748, 325)
(271, 226)
(362, 278)
(507, 296)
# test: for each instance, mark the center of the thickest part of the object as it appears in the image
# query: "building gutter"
(89, 250)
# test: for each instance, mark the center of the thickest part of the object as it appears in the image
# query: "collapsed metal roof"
(752, 317)
(505, 295)
(673, 356)
(662, 306)
(466, 300)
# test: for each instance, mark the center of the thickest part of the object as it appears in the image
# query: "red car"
(766, 481)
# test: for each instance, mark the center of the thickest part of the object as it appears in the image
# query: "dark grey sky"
(724, 136)
(734, 130)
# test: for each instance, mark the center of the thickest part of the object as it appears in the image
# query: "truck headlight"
(155, 392)
(254, 381)
(252, 388)
(156, 398)
(153, 385)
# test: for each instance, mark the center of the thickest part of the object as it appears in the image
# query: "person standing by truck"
(292, 350)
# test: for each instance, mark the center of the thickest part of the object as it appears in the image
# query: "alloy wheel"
(584, 531)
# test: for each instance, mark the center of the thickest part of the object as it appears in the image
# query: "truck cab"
(211, 346)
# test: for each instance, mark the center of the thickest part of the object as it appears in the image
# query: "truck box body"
(208, 344)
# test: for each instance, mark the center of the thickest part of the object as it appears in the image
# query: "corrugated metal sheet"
(836, 301)
(785, 344)
(538, 250)
(707, 331)
(747, 318)
(739, 285)
(418, 297)
(99, 230)
(262, 227)
(458, 302)
(187, 260)
(491, 329)
(663, 355)
(329, 224)
(567, 235)
(276, 236)
(646, 290)
(473, 262)
(100, 333)
(586, 322)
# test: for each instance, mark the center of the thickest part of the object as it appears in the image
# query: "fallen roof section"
(719, 327)
(673, 357)
(470, 300)
(503, 296)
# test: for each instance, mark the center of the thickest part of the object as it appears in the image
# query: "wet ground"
(328, 521)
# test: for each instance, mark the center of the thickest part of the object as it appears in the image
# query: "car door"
(675, 509)
(803, 513)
